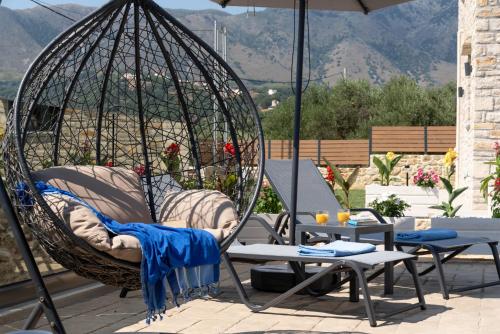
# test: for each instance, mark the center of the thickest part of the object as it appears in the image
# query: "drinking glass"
(343, 217)
(322, 217)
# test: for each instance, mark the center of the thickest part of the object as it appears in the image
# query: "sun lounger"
(357, 263)
(315, 195)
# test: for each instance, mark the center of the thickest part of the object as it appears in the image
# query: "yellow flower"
(390, 156)
(450, 157)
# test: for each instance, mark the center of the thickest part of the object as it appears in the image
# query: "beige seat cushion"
(203, 209)
(114, 191)
(128, 248)
(81, 220)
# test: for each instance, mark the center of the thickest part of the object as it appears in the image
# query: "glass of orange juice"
(322, 217)
(343, 217)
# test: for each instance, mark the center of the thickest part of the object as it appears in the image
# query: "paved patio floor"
(470, 312)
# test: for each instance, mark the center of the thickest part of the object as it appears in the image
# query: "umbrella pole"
(296, 121)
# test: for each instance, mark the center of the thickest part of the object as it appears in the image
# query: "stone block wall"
(369, 175)
(478, 109)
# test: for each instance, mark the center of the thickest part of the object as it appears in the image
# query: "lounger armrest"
(377, 215)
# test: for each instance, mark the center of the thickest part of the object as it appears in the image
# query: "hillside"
(417, 39)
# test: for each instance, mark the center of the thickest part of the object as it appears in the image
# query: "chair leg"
(124, 292)
(370, 311)
(494, 251)
(258, 308)
(412, 269)
(439, 267)
(34, 316)
(353, 287)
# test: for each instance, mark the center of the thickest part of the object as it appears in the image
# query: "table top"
(336, 228)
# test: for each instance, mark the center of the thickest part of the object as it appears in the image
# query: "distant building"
(274, 103)
(271, 92)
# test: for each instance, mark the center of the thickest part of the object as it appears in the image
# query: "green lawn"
(357, 198)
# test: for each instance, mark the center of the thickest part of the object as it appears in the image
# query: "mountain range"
(417, 39)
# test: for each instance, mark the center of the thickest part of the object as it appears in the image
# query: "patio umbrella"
(364, 6)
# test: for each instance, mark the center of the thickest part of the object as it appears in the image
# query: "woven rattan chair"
(118, 88)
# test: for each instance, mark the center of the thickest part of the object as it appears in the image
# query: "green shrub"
(268, 202)
(390, 207)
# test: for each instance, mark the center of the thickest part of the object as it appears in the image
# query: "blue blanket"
(426, 235)
(185, 259)
(337, 248)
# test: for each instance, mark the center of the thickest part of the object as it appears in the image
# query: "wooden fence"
(400, 139)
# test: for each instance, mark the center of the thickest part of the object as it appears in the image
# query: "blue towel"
(337, 248)
(185, 259)
(426, 235)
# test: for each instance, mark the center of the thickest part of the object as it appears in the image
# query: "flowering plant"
(386, 167)
(449, 162)
(140, 170)
(426, 179)
(345, 184)
(447, 207)
(171, 158)
(330, 177)
(82, 155)
(495, 176)
(268, 201)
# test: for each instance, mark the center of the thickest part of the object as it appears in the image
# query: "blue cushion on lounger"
(426, 235)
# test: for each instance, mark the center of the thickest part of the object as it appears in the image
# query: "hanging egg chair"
(125, 87)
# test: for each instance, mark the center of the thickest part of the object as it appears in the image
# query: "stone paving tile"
(474, 312)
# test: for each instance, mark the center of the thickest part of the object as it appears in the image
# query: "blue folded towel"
(337, 248)
(426, 235)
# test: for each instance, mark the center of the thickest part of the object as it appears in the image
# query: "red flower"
(173, 149)
(330, 176)
(229, 149)
(140, 170)
(109, 164)
(497, 184)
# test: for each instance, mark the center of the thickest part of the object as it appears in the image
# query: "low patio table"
(335, 231)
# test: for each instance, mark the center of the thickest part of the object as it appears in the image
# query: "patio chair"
(315, 195)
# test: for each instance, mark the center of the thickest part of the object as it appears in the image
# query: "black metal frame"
(45, 304)
(438, 262)
(112, 64)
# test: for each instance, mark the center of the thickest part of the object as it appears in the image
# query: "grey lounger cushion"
(447, 243)
(290, 253)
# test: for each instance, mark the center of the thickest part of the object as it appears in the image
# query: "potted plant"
(392, 208)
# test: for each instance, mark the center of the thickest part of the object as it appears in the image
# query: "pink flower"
(140, 170)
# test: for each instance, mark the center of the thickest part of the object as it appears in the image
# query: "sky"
(177, 4)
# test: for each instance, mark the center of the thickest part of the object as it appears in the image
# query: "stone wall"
(478, 110)
(369, 175)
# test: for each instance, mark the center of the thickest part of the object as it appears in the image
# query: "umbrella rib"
(363, 6)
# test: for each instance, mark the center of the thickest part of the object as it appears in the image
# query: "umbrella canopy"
(337, 5)
(364, 6)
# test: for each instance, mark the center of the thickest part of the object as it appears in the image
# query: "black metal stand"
(45, 304)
